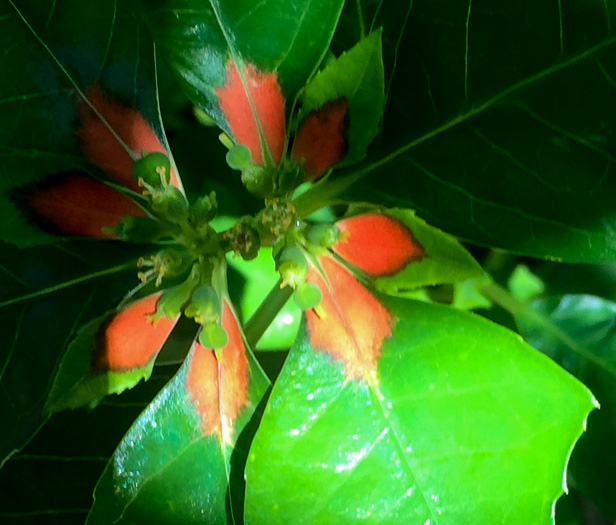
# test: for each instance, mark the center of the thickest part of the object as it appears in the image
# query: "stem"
(259, 322)
(72, 282)
(519, 309)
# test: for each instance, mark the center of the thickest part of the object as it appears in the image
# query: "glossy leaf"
(497, 128)
(463, 424)
(195, 38)
(109, 355)
(577, 331)
(84, 103)
(181, 462)
(357, 77)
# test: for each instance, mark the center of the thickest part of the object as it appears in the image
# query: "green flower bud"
(213, 336)
(204, 306)
(173, 299)
(171, 203)
(323, 235)
(307, 295)
(203, 210)
(141, 230)
(153, 168)
(238, 157)
(292, 266)
(258, 180)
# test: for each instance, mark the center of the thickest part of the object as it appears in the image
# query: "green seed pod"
(323, 235)
(213, 336)
(238, 157)
(204, 305)
(154, 168)
(292, 266)
(307, 295)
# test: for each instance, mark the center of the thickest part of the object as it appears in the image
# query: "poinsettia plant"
(287, 313)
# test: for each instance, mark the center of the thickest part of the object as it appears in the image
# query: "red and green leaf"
(181, 461)
(253, 106)
(109, 355)
(429, 439)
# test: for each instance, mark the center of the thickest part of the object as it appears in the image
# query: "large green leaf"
(168, 469)
(197, 38)
(577, 331)
(498, 123)
(41, 308)
(54, 55)
(464, 423)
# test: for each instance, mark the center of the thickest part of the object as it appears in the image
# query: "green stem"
(66, 284)
(266, 313)
(519, 309)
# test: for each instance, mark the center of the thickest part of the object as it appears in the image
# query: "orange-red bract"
(129, 339)
(321, 137)
(268, 104)
(377, 244)
(101, 147)
(218, 389)
(351, 323)
(79, 205)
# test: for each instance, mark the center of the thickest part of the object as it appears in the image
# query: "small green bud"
(171, 203)
(238, 157)
(258, 180)
(173, 299)
(307, 295)
(141, 230)
(323, 235)
(153, 168)
(213, 336)
(204, 305)
(292, 266)
(204, 210)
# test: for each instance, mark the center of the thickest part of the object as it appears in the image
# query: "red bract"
(102, 148)
(351, 323)
(377, 244)
(218, 388)
(264, 109)
(321, 137)
(79, 205)
(129, 339)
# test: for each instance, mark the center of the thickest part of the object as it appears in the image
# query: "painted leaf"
(350, 323)
(100, 134)
(377, 244)
(577, 332)
(432, 439)
(56, 56)
(197, 38)
(109, 355)
(497, 128)
(181, 462)
(353, 83)
(76, 204)
(321, 140)
(254, 110)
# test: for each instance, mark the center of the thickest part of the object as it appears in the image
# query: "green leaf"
(41, 309)
(497, 128)
(166, 469)
(197, 39)
(446, 260)
(357, 75)
(260, 277)
(464, 423)
(54, 53)
(577, 331)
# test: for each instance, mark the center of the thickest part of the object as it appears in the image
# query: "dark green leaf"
(498, 124)
(464, 424)
(577, 331)
(197, 38)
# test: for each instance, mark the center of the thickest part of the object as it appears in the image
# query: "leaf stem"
(56, 287)
(259, 322)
